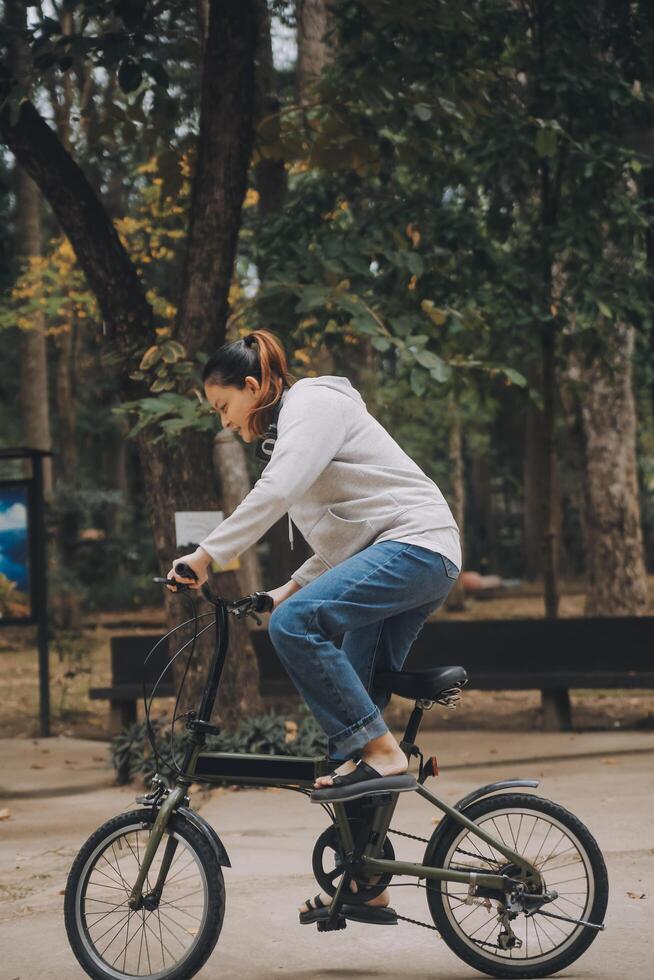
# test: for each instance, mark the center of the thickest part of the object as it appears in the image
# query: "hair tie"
(249, 340)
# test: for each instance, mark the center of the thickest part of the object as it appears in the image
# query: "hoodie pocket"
(336, 537)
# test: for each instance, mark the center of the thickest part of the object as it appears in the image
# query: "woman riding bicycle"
(386, 546)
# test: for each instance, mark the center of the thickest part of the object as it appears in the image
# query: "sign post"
(23, 569)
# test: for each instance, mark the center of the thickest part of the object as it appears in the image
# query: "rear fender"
(465, 802)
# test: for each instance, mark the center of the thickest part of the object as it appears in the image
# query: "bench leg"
(122, 714)
(556, 708)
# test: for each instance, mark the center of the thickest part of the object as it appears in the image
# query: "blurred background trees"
(452, 205)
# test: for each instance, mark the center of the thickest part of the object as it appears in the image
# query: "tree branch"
(128, 317)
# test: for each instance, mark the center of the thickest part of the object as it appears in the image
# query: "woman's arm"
(284, 592)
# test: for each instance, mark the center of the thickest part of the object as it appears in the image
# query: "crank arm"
(564, 918)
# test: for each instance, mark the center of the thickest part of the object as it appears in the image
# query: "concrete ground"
(54, 793)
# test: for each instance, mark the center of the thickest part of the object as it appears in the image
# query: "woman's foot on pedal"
(380, 901)
(324, 782)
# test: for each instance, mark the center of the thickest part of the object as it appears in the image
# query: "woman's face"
(234, 405)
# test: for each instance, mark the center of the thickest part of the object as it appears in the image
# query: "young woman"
(386, 547)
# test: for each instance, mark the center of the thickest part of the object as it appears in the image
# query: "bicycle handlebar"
(254, 603)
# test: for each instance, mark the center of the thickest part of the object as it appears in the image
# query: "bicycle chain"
(415, 922)
(401, 833)
(424, 840)
(478, 857)
(404, 918)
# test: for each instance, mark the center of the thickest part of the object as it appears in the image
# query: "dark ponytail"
(260, 355)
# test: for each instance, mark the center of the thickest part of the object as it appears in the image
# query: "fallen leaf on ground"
(610, 762)
(37, 765)
(635, 895)
(5, 813)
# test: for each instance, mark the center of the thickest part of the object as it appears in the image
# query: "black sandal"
(379, 915)
(316, 910)
(361, 782)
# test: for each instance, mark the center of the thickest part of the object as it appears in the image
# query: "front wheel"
(172, 935)
(570, 863)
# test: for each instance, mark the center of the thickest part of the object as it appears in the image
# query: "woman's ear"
(253, 384)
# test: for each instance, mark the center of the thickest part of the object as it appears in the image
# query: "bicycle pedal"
(326, 926)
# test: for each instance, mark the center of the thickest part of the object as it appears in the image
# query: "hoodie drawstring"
(290, 531)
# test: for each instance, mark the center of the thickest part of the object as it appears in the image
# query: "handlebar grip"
(263, 602)
(181, 568)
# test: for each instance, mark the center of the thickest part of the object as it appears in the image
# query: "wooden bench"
(499, 654)
(552, 656)
(127, 656)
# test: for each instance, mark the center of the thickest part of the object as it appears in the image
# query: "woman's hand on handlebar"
(199, 562)
(283, 592)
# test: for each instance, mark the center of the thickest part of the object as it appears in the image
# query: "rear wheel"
(570, 862)
(169, 938)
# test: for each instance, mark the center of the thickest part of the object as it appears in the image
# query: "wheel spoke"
(131, 943)
(547, 843)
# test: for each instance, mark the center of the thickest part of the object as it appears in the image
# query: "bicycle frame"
(300, 773)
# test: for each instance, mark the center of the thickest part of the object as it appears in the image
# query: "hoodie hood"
(332, 381)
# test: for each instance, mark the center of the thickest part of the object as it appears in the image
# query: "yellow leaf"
(437, 316)
(251, 198)
(150, 358)
(413, 235)
(413, 282)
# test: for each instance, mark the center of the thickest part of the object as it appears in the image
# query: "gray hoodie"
(344, 482)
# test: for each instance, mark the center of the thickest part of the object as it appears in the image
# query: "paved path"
(607, 779)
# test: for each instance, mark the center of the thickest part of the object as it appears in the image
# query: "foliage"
(268, 734)
(73, 651)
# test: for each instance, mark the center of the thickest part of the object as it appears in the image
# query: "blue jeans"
(377, 601)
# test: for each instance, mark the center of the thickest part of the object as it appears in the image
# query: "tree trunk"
(617, 582)
(172, 473)
(314, 44)
(534, 463)
(456, 598)
(35, 406)
(270, 173)
(167, 468)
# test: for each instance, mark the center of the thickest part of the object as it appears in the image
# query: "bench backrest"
(127, 657)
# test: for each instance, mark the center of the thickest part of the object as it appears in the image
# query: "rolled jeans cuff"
(349, 743)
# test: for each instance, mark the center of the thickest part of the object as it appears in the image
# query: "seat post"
(413, 725)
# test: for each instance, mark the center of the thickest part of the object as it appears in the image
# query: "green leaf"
(428, 359)
(380, 343)
(417, 382)
(546, 141)
(172, 351)
(515, 377)
(422, 111)
(604, 309)
(441, 373)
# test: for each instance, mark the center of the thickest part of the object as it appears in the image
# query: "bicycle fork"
(136, 899)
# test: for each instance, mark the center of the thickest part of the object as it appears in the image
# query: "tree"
(219, 183)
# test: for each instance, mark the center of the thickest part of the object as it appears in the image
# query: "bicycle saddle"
(427, 684)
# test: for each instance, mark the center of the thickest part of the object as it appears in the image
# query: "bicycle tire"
(580, 938)
(211, 918)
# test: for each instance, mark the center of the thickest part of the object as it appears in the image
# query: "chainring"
(328, 879)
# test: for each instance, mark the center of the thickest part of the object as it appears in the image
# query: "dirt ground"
(87, 664)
